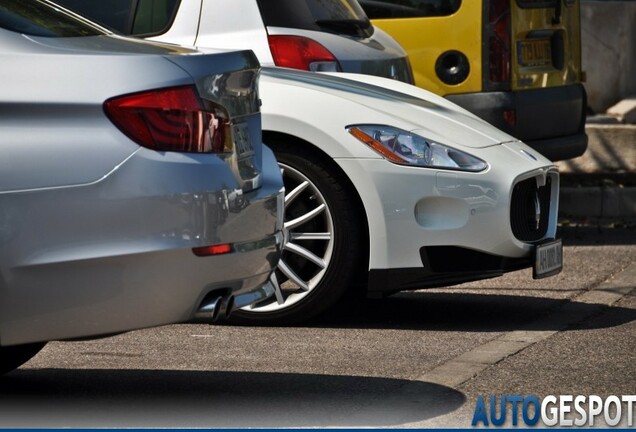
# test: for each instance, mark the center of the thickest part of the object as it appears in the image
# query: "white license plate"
(534, 52)
(241, 135)
(548, 259)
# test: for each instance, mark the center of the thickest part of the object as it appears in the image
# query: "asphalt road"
(416, 359)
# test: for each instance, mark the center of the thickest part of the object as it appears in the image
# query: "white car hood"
(427, 113)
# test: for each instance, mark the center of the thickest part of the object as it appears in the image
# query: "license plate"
(241, 134)
(534, 52)
(548, 259)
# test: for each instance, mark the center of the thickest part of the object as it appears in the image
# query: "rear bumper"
(117, 255)
(551, 120)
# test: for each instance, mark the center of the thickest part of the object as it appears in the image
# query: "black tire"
(345, 254)
(12, 357)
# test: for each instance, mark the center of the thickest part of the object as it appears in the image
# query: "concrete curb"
(611, 151)
(600, 203)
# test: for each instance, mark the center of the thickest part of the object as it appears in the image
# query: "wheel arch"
(280, 140)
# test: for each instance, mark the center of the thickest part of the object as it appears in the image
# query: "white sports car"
(388, 187)
(391, 187)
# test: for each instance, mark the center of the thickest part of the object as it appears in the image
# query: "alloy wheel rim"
(308, 240)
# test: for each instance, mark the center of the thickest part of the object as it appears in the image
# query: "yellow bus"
(514, 63)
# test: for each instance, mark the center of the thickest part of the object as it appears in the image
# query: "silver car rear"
(134, 188)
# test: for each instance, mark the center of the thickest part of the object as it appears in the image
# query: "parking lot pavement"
(592, 357)
(416, 359)
(588, 350)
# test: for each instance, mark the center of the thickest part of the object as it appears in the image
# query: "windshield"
(41, 18)
(336, 16)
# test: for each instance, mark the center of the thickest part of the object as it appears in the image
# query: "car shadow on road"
(54, 398)
(467, 312)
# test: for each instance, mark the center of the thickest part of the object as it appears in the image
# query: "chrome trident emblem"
(537, 211)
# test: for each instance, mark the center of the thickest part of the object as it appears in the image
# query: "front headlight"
(405, 148)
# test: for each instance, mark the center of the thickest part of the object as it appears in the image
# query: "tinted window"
(137, 17)
(409, 8)
(336, 16)
(114, 14)
(38, 18)
(154, 16)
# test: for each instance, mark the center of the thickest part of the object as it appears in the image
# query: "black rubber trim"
(444, 266)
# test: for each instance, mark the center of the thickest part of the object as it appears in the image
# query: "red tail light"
(219, 249)
(299, 52)
(499, 40)
(172, 119)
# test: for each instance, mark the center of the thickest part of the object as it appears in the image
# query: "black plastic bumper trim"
(444, 266)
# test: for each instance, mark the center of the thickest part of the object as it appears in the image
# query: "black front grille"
(528, 202)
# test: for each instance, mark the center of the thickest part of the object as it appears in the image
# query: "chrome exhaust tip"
(214, 307)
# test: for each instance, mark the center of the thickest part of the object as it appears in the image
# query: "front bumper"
(430, 227)
(444, 266)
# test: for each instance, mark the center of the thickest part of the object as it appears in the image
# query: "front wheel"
(323, 244)
(12, 357)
